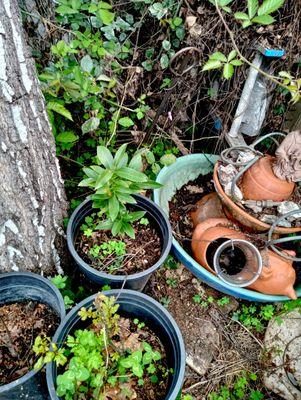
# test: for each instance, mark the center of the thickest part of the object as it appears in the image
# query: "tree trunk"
(32, 198)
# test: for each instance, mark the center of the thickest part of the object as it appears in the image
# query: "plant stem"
(9, 343)
(231, 34)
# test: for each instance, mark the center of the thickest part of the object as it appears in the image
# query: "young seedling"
(114, 181)
(218, 60)
(259, 14)
(93, 363)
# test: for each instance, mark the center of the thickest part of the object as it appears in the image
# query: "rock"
(287, 206)
(201, 352)
(190, 20)
(237, 191)
(282, 347)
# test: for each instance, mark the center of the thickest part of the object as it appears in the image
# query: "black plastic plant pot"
(135, 281)
(132, 304)
(20, 287)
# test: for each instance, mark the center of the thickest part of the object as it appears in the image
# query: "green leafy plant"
(114, 184)
(171, 263)
(218, 60)
(240, 390)
(223, 301)
(293, 85)
(172, 282)
(94, 362)
(202, 300)
(112, 251)
(254, 317)
(259, 13)
(64, 284)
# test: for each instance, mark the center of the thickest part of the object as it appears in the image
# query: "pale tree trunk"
(32, 198)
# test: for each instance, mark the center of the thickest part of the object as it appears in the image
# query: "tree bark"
(32, 197)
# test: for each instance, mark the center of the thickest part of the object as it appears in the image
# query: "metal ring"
(238, 242)
(177, 54)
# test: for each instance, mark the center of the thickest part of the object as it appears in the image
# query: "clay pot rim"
(249, 217)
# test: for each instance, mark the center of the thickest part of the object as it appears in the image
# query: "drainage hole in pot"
(20, 324)
(120, 254)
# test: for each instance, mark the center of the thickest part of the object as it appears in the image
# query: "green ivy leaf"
(106, 16)
(66, 137)
(232, 55)
(228, 71)
(212, 64)
(59, 109)
(241, 15)
(65, 10)
(269, 6)
(126, 122)
(252, 8)
(166, 44)
(90, 125)
(164, 61)
(177, 21)
(218, 56)
(86, 63)
(264, 19)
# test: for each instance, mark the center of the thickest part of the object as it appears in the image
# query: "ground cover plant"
(111, 358)
(120, 110)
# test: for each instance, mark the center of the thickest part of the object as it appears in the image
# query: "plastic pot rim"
(116, 292)
(118, 278)
(247, 294)
(30, 374)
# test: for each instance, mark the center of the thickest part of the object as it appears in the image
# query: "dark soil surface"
(183, 202)
(141, 253)
(20, 324)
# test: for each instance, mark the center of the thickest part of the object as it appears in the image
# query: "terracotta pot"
(209, 206)
(241, 215)
(260, 183)
(278, 276)
(208, 231)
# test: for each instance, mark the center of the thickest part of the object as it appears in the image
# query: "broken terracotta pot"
(213, 229)
(209, 206)
(260, 183)
(278, 275)
(240, 215)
